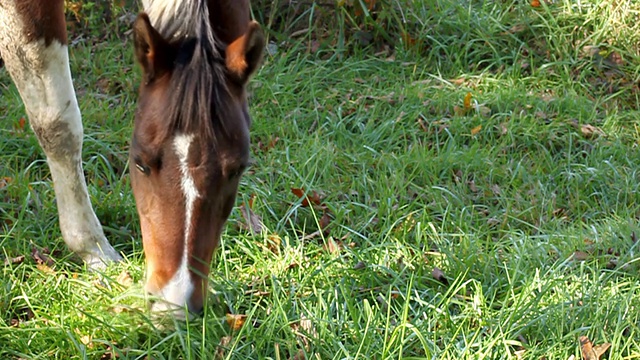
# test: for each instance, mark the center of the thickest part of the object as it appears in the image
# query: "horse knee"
(58, 132)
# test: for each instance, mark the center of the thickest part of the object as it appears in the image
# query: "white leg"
(41, 73)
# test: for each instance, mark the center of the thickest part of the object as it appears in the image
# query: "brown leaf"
(476, 130)
(4, 182)
(222, 347)
(41, 257)
(236, 321)
(333, 246)
(273, 243)
(590, 352)
(472, 186)
(458, 81)
(309, 197)
(535, 3)
(324, 222)
(299, 355)
(45, 269)
(467, 101)
(22, 122)
(125, 279)
(252, 222)
(515, 29)
(503, 129)
(359, 265)
(484, 111)
(590, 131)
(14, 260)
(580, 255)
(439, 275)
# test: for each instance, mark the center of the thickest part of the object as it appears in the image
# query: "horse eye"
(143, 169)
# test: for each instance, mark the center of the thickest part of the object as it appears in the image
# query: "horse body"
(190, 142)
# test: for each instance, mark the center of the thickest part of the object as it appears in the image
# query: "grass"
(526, 200)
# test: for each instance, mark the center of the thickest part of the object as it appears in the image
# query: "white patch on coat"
(179, 289)
(43, 78)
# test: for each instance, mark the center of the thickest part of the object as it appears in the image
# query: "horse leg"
(33, 45)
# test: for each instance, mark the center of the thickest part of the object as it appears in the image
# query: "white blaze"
(179, 289)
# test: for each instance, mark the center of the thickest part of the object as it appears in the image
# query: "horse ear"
(153, 52)
(243, 56)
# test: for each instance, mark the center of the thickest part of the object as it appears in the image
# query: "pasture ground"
(472, 194)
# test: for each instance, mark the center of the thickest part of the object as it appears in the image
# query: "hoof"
(100, 260)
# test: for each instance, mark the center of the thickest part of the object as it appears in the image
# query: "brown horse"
(190, 142)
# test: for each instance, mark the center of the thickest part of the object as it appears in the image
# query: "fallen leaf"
(589, 131)
(45, 269)
(273, 243)
(313, 235)
(41, 257)
(222, 347)
(252, 222)
(472, 186)
(125, 279)
(359, 265)
(503, 128)
(467, 102)
(21, 124)
(476, 130)
(580, 255)
(439, 275)
(324, 223)
(515, 29)
(235, 321)
(4, 182)
(590, 352)
(312, 197)
(458, 81)
(535, 3)
(333, 246)
(299, 355)
(484, 111)
(14, 260)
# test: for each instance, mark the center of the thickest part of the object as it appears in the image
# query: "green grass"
(532, 222)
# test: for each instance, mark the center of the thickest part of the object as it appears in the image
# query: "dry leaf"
(324, 222)
(458, 81)
(515, 29)
(41, 257)
(19, 127)
(503, 128)
(273, 243)
(484, 111)
(590, 131)
(222, 347)
(299, 355)
(235, 321)
(125, 279)
(535, 3)
(359, 265)
(467, 102)
(14, 260)
(590, 352)
(252, 222)
(4, 181)
(580, 255)
(333, 246)
(439, 275)
(309, 197)
(45, 269)
(476, 130)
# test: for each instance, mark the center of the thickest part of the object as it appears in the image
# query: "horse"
(190, 141)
